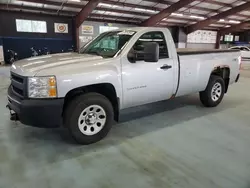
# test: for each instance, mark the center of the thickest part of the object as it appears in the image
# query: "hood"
(33, 65)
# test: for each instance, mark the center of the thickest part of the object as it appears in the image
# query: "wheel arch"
(224, 72)
(105, 89)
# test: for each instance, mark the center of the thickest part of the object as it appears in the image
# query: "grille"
(18, 85)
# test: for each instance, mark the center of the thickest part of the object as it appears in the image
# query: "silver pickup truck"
(119, 69)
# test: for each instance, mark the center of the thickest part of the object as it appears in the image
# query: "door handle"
(165, 67)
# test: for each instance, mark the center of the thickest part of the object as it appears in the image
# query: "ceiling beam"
(86, 11)
(234, 28)
(217, 17)
(211, 28)
(153, 20)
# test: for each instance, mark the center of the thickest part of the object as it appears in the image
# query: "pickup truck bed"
(195, 67)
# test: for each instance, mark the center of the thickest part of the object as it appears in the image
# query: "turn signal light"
(52, 92)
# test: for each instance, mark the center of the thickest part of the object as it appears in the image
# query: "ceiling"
(137, 11)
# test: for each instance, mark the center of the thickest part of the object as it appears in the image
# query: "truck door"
(145, 82)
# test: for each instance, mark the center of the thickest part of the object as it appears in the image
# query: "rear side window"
(152, 37)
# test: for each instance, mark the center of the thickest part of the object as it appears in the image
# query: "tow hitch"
(13, 115)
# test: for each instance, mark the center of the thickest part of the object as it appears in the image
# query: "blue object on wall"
(23, 45)
(241, 43)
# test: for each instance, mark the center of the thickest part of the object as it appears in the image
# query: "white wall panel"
(1, 54)
(200, 46)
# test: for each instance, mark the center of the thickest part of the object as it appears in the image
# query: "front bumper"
(45, 113)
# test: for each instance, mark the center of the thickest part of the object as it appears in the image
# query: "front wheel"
(214, 92)
(89, 118)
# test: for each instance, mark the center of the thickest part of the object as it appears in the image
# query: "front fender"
(89, 77)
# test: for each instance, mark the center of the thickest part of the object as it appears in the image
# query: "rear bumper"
(45, 113)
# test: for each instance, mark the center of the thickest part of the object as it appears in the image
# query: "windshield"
(108, 44)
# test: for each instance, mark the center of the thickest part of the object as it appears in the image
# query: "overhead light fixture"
(108, 12)
(105, 5)
(227, 26)
(198, 17)
(144, 10)
(76, 1)
(176, 14)
(108, 5)
(152, 11)
(139, 9)
(221, 20)
(101, 11)
(234, 21)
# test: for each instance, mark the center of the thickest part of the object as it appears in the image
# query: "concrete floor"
(175, 143)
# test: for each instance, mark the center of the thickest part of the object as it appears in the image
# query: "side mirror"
(132, 56)
(151, 52)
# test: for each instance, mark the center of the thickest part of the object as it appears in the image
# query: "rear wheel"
(214, 92)
(89, 118)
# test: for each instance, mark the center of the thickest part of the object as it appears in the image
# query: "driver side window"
(157, 37)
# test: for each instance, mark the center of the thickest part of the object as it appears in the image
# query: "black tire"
(77, 106)
(206, 95)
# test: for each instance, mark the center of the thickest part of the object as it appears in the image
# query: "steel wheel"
(92, 120)
(216, 91)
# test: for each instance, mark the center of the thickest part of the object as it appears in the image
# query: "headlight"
(42, 87)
